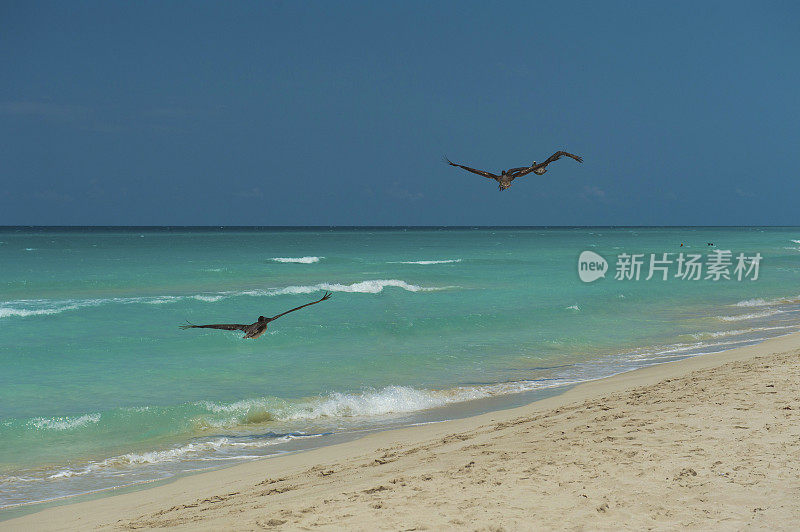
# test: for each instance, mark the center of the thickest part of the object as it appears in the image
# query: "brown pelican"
(254, 330)
(507, 176)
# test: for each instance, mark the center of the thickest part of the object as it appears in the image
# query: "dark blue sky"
(338, 113)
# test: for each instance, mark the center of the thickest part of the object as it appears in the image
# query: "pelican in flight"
(506, 177)
(254, 330)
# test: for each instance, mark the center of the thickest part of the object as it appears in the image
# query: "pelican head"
(262, 318)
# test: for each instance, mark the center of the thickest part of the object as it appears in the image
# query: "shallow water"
(99, 387)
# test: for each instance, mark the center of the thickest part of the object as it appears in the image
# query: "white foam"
(737, 332)
(6, 312)
(209, 299)
(161, 300)
(445, 261)
(298, 260)
(204, 450)
(42, 307)
(796, 241)
(389, 400)
(758, 302)
(573, 307)
(754, 315)
(65, 423)
(365, 287)
(370, 403)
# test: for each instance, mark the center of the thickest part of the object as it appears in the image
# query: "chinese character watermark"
(714, 266)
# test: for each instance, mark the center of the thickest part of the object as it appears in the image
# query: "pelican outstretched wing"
(223, 326)
(512, 171)
(323, 298)
(473, 170)
(556, 156)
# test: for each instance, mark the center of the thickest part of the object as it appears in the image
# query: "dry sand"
(711, 442)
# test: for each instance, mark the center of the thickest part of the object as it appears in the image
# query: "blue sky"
(338, 113)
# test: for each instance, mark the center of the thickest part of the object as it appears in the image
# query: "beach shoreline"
(389, 479)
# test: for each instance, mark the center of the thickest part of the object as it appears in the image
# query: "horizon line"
(222, 227)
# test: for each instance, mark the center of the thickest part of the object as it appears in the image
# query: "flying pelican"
(507, 176)
(254, 330)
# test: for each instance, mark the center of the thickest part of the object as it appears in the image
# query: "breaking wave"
(758, 302)
(336, 406)
(752, 316)
(445, 261)
(297, 260)
(364, 287)
(65, 423)
(739, 332)
(210, 450)
(6, 312)
(41, 307)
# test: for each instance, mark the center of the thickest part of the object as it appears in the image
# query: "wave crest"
(754, 315)
(738, 332)
(42, 307)
(759, 302)
(65, 423)
(215, 449)
(297, 260)
(369, 403)
(445, 261)
(365, 287)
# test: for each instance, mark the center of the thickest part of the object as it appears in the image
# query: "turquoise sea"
(99, 388)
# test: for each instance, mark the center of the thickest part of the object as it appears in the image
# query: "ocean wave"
(796, 241)
(336, 405)
(389, 400)
(365, 287)
(297, 260)
(7, 312)
(738, 332)
(208, 299)
(658, 354)
(203, 416)
(65, 423)
(370, 403)
(573, 307)
(758, 302)
(445, 261)
(199, 450)
(42, 307)
(752, 316)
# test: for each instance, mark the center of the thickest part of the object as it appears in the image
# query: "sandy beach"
(711, 442)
